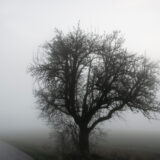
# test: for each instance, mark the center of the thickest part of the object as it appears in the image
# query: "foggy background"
(27, 24)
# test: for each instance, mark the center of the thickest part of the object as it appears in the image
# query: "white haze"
(26, 24)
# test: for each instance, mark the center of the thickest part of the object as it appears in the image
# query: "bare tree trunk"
(84, 141)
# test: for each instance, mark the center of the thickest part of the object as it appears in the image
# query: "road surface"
(8, 152)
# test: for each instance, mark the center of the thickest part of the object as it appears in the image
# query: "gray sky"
(26, 24)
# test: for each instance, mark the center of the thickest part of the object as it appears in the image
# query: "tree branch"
(108, 116)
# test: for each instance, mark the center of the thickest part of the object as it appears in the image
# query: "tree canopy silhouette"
(86, 78)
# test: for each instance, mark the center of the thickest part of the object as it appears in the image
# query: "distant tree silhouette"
(86, 78)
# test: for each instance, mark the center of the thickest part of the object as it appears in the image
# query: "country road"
(9, 152)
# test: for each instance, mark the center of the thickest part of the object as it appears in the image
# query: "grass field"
(114, 146)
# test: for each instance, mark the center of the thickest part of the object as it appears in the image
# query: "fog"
(25, 25)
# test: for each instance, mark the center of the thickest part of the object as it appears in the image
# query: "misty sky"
(27, 24)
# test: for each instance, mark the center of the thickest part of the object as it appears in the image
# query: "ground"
(9, 152)
(116, 146)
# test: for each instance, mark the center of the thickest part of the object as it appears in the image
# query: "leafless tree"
(86, 78)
